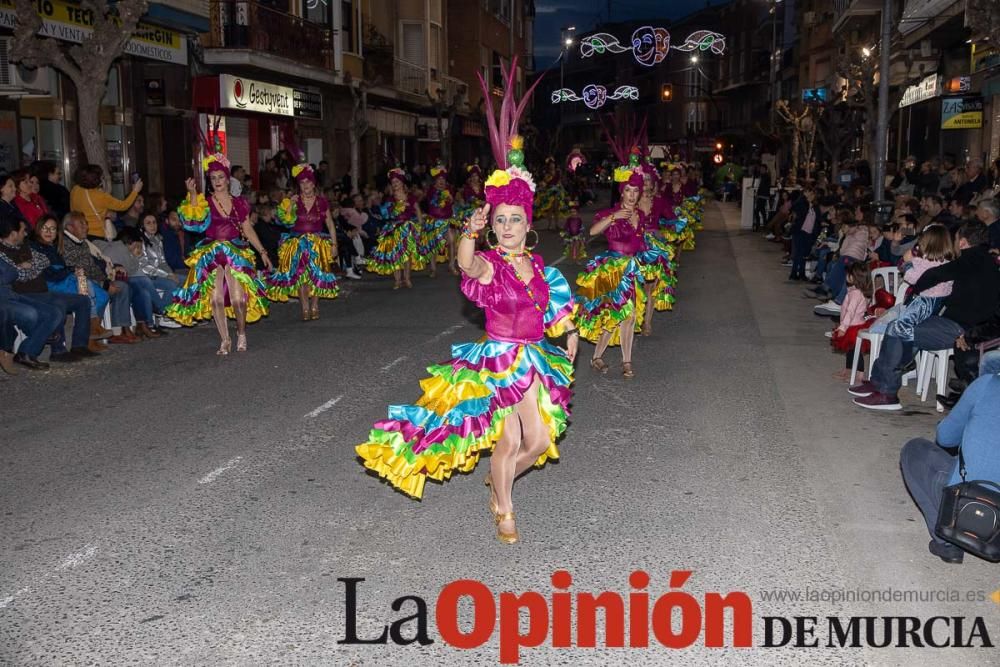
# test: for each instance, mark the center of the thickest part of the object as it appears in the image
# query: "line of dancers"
(508, 394)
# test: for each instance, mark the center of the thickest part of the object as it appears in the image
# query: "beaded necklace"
(526, 283)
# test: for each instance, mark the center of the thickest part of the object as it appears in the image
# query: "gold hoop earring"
(531, 247)
(492, 245)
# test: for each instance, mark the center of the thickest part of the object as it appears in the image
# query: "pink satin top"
(621, 235)
(573, 226)
(672, 199)
(227, 228)
(311, 221)
(439, 212)
(511, 315)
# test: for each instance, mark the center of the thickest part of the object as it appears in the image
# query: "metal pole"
(881, 130)
(773, 61)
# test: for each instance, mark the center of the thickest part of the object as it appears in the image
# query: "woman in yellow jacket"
(88, 198)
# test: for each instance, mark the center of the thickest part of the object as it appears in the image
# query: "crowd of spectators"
(941, 231)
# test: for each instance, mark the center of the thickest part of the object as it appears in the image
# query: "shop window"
(413, 44)
(348, 34)
(318, 11)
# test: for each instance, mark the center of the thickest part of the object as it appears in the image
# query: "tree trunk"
(795, 151)
(89, 95)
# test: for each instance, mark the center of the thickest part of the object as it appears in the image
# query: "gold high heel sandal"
(599, 365)
(506, 538)
(224, 347)
(627, 371)
(241, 342)
(315, 313)
(494, 508)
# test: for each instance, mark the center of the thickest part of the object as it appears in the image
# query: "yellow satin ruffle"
(196, 211)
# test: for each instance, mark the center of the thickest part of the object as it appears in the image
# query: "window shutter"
(413, 44)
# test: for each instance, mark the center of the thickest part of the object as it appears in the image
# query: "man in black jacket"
(974, 298)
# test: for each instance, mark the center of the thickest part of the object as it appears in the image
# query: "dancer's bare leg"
(219, 310)
(452, 256)
(314, 304)
(304, 301)
(395, 276)
(602, 344)
(406, 273)
(503, 464)
(627, 333)
(534, 432)
(238, 299)
(647, 320)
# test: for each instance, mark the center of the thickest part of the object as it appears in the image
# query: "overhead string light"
(650, 45)
(595, 95)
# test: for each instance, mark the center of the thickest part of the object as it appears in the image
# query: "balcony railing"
(410, 78)
(247, 24)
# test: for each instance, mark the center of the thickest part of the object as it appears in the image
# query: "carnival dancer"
(656, 260)
(509, 392)
(612, 299)
(308, 250)
(222, 280)
(440, 221)
(398, 248)
(550, 204)
(472, 196)
(573, 236)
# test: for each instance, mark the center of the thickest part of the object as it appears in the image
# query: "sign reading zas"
(74, 23)
(961, 113)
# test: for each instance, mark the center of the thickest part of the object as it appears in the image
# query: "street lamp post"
(566, 41)
(773, 96)
(881, 130)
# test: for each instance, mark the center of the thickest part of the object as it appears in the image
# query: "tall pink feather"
(503, 129)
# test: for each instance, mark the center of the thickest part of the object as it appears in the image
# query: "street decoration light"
(650, 45)
(595, 95)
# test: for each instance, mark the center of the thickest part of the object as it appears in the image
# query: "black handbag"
(970, 515)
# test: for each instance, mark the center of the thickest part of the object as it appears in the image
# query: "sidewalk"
(879, 532)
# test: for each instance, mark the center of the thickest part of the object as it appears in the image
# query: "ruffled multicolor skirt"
(434, 238)
(193, 301)
(551, 202)
(678, 232)
(303, 260)
(398, 244)
(611, 291)
(461, 212)
(574, 245)
(461, 413)
(657, 267)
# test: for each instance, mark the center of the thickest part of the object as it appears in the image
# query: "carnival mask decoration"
(650, 45)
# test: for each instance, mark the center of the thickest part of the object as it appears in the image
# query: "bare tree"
(86, 64)
(803, 131)
(836, 127)
(445, 111)
(359, 123)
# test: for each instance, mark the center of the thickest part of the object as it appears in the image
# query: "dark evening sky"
(552, 15)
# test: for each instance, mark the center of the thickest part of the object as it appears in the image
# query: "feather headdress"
(511, 183)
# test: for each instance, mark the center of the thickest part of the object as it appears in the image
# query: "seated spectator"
(974, 184)
(927, 468)
(174, 243)
(133, 215)
(60, 277)
(52, 190)
(125, 252)
(31, 286)
(79, 252)
(880, 248)
(988, 213)
(853, 248)
(8, 192)
(8, 274)
(974, 298)
(934, 210)
(28, 201)
(153, 263)
(267, 231)
(854, 316)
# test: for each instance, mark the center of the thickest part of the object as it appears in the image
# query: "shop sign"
(237, 92)
(984, 57)
(73, 23)
(248, 95)
(927, 89)
(959, 84)
(961, 113)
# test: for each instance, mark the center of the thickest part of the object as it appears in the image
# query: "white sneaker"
(166, 322)
(829, 308)
(769, 237)
(828, 334)
(350, 273)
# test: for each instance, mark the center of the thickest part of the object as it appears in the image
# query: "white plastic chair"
(933, 363)
(875, 339)
(890, 277)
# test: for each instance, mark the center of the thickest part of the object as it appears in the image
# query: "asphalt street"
(164, 506)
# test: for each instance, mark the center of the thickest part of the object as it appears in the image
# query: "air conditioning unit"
(20, 81)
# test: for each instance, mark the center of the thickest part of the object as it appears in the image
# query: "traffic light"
(666, 92)
(718, 145)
